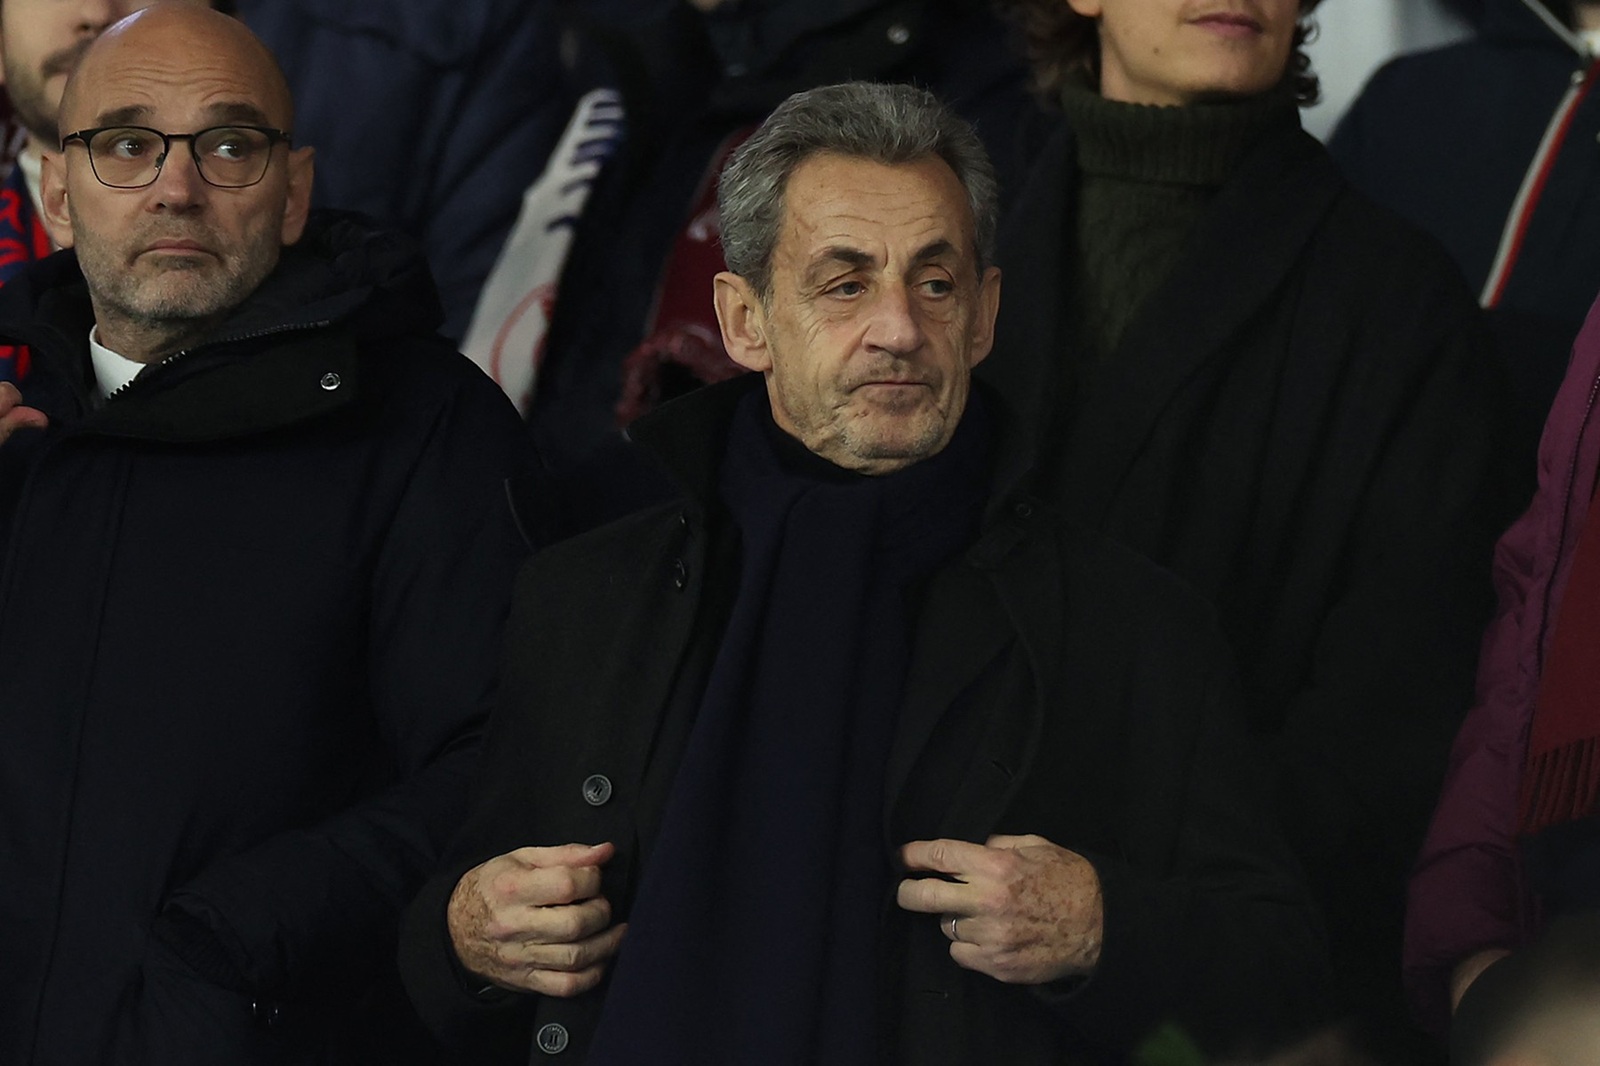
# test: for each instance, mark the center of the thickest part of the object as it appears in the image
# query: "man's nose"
(178, 185)
(896, 325)
(95, 15)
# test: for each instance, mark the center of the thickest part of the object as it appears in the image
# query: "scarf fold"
(754, 936)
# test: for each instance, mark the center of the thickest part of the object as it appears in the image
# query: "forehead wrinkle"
(176, 55)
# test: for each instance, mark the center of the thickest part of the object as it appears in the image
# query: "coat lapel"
(1233, 264)
(985, 606)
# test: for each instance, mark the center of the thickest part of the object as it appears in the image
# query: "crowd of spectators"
(1310, 766)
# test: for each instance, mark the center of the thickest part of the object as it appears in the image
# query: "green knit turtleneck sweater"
(1145, 176)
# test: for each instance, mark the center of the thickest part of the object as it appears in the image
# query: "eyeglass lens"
(128, 157)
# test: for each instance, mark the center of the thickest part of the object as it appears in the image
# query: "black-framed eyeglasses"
(131, 157)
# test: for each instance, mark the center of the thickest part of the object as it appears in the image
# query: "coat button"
(330, 381)
(1023, 510)
(680, 574)
(267, 1014)
(899, 33)
(596, 790)
(552, 1039)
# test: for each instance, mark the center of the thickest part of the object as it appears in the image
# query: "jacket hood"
(1528, 22)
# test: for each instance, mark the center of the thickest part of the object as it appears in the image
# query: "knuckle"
(568, 926)
(994, 900)
(565, 884)
(502, 888)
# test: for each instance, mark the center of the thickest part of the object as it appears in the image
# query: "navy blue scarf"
(755, 934)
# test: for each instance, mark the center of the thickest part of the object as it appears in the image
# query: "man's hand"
(14, 416)
(1021, 909)
(533, 920)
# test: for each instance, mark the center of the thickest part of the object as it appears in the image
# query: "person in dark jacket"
(1248, 372)
(431, 116)
(1489, 146)
(587, 337)
(256, 561)
(859, 755)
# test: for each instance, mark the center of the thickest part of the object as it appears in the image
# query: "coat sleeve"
(1207, 925)
(1465, 890)
(1411, 496)
(311, 904)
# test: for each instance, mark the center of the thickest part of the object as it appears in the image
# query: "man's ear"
(53, 198)
(298, 205)
(743, 319)
(984, 315)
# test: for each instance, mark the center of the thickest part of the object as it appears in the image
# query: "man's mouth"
(177, 246)
(1229, 22)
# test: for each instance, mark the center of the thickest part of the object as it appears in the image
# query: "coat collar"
(1529, 22)
(272, 364)
(1231, 267)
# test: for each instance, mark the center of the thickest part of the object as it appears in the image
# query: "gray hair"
(888, 124)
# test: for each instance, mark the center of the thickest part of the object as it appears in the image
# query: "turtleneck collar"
(1200, 144)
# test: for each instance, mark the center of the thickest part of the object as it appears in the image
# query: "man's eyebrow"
(223, 114)
(123, 116)
(935, 250)
(839, 255)
(237, 112)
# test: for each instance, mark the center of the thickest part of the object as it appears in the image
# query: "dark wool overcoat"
(249, 616)
(1059, 685)
(1302, 421)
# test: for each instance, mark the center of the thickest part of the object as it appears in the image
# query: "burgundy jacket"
(1467, 892)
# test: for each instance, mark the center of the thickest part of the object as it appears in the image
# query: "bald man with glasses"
(254, 560)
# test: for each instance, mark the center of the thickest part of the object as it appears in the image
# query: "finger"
(510, 887)
(1014, 843)
(566, 855)
(563, 924)
(929, 895)
(557, 983)
(21, 418)
(956, 857)
(577, 956)
(980, 959)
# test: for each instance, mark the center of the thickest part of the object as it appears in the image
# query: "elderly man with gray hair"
(857, 755)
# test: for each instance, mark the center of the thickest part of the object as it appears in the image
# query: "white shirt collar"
(111, 371)
(1591, 41)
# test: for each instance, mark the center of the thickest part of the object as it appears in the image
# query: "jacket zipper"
(1533, 183)
(132, 383)
(1566, 521)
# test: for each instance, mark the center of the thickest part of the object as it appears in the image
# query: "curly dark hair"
(1064, 46)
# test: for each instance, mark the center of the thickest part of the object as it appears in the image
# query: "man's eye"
(130, 146)
(938, 287)
(848, 288)
(232, 150)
